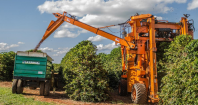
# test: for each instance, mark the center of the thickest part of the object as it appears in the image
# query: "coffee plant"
(6, 65)
(180, 64)
(86, 79)
(113, 65)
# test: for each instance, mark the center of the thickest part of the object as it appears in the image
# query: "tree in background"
(6, 65)
(86, 79)
(180, 63)
(59, 77)
(113, 65)
(57, 67)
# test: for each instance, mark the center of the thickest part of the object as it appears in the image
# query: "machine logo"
(40, 72)
(116, 39)
(68, 20)
(31, 62)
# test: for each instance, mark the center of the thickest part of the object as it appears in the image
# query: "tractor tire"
(42, 85)
(47, 88)
(122, 87)
(139, 94)
(14, 86)
(20, 86)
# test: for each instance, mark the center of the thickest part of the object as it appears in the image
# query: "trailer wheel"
(139, 94)
(122, 87)
(42, 84)
(47, 88)
(14, 86)
(20, 86)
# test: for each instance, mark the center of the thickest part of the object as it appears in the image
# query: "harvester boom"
(62, 17)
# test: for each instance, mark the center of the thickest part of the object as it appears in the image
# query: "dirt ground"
(59, 97)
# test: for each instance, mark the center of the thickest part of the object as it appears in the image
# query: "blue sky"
(23, 22)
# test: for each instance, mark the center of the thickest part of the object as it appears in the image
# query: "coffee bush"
(85, 77)
(180, 84)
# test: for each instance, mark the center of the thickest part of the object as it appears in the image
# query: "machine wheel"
(14, 86)
(122, 87)
(139, 94)
(47, 88)
(42, 84)
(20, 86)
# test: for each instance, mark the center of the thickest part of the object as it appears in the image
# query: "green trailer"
(33, 69)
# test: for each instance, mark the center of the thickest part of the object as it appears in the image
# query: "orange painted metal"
(138, 47)
(167, 25)
(153, 68)
(123, 51)
(106, 26)
(51, 28)
(184, 28)
(62, 17)
(143, 29)
(142, 16)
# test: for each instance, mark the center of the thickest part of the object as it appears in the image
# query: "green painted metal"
(31, 58)
(21, 61)
(30, 66)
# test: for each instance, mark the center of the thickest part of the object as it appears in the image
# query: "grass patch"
(7, 98)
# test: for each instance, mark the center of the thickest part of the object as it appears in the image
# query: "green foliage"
(7, 98)
(113, 64)
(86, 80)
(180, 84)
(6, 65)
(161, 46)
(192, 50)
(59, 70)
(56, 68)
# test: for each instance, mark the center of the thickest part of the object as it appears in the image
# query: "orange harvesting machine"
(138, 48)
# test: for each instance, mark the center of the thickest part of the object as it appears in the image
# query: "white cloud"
(68, 30)
(101, 20)
(193, 5)
(180, 1)
(62, 51)
(21, 43)
(5, 46)
(47, 49)
(158, 17)
(57, 52)
(96, 38)
(107, 47)
(65, 33)
(13, 45)
(55, 55)
(101, 13)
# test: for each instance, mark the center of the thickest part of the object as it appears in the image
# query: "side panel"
(29, 66)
